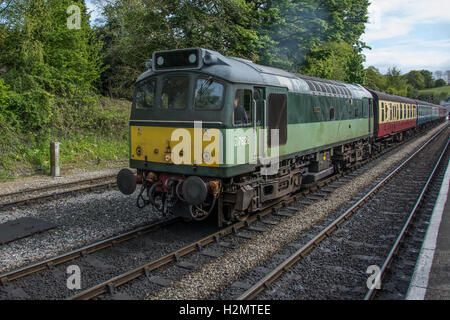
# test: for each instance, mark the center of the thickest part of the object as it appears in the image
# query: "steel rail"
(111, 284)
(372, 291)
(271, 277)
(54, 186)
(111, 183)
(77, 253)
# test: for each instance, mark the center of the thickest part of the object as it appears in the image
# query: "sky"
(407, 34)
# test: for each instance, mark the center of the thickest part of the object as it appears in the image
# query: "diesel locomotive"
(210, 133)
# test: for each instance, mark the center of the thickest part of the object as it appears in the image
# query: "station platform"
(431, 279)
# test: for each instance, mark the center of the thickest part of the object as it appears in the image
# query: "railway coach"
(395, 117)
(428, 113)
(206, 129)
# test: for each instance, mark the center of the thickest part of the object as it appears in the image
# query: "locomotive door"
(259, 105)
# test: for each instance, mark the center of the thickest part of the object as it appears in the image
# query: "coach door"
(276, 121)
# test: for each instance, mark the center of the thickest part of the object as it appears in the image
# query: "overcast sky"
(408, 34)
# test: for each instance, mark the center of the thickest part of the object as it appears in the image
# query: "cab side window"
(242, 114)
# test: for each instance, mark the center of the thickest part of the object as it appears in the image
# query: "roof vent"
(209, 59)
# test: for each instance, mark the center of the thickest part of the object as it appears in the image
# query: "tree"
(428, 77)
(47, 64)
(335, 60)
(374, 79)
(416, 79)
(395, 83)
(299, 27)
(440, 83)
(136, 28)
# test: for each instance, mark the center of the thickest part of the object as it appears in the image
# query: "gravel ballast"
(80, 221)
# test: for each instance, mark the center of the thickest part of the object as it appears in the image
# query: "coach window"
(332, 113)
(277, 119)
(145, 94)
(242, 114)
(382, 112)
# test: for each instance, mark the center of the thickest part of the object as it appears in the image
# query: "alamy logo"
(74, 280)
(374, 281)
(246, 146)
(74, 20)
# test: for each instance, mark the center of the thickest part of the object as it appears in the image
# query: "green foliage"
(416, 79)
(411, 84)
(435, 95)
(440, 83)
(338, 61)
(49, 73)
(374, 79)
(51, 70)
(225, 26)
(428, 78)
(395, 83)
(281, 33)
(48, 76)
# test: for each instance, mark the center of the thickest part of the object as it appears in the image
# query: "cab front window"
(175, 92)
(145, 94)
(208, 94)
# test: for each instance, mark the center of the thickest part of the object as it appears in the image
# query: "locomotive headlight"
(160, 61)
(193, 58)
(207, 157)
(139, 151)
(168, 157)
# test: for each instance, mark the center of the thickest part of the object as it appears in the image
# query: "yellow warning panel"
(186, 146)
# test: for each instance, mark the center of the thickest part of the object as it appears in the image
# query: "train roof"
(392, 97)
(239, 70)
(395, 98)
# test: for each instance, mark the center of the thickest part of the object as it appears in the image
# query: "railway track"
(212, 245)
(32, 195)
(279, 211)
(340, 223)
(81, 252)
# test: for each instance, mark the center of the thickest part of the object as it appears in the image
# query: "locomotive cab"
(181, 110)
